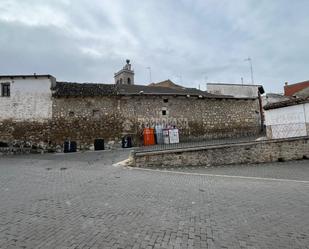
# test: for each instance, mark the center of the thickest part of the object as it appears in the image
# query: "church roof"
(167, 83)
(157, 90)
(70, 89)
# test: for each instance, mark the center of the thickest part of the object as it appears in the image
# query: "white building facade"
(236, 90)
(287, 119)
(26, 97)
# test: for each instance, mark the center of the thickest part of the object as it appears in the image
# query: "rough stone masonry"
(252, 152)
(87, 111)
(84, 118)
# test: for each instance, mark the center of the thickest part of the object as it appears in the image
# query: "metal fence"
(161, 141)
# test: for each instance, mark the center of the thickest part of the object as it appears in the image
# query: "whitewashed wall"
(287, 121)
(239, 91)
(30, 100)
(306, 106)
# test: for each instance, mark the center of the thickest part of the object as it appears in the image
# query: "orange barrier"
(149, 138)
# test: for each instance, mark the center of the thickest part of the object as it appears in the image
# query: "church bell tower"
(125, 76)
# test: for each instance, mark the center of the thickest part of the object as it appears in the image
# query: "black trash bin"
(126, 142)
(73, 147)
(3, 144)
(69, 146)
(99, 144)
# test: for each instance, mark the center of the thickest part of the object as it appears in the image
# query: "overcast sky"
(188, 41)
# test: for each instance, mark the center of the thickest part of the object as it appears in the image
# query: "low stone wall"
(50, 135)
(16, 150)
(84, 119)
(252, 152)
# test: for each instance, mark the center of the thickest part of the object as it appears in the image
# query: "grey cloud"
(89, 41)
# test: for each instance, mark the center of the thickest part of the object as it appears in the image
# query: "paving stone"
(93, 204)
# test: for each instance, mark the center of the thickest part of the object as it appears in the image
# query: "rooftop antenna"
(251, 68)
(150, 78)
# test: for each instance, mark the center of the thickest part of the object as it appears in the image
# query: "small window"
(5, 90)
(163, 112)
(95, 113)
(129, 81)
(120, 81)
(71, 114)
(165, 100)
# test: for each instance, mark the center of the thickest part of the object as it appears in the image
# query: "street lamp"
(251, 68)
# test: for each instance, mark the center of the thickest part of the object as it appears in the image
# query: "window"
(95, 113)
(163, 112)
(165, 100)
(5, 90)
(129, 81)
(120, 81)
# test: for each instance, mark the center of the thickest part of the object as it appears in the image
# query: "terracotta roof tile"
(285, 103)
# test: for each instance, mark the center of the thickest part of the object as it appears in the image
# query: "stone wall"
(111, 117)
(25, 136)
(84, 119)
(255, 152)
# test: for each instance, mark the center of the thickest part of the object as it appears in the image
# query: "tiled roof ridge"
(74, 89)
(285, 103)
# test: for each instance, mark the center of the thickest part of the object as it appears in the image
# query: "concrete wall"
(30, 100)
(255, 152)
(290, 121)
(239, 91)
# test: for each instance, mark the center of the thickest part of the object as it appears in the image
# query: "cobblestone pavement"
(82, 201)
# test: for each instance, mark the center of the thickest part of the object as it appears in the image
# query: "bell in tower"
(125, 76)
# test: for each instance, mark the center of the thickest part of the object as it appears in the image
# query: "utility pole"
(150, 79)
(206, 78)
(251, 68)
